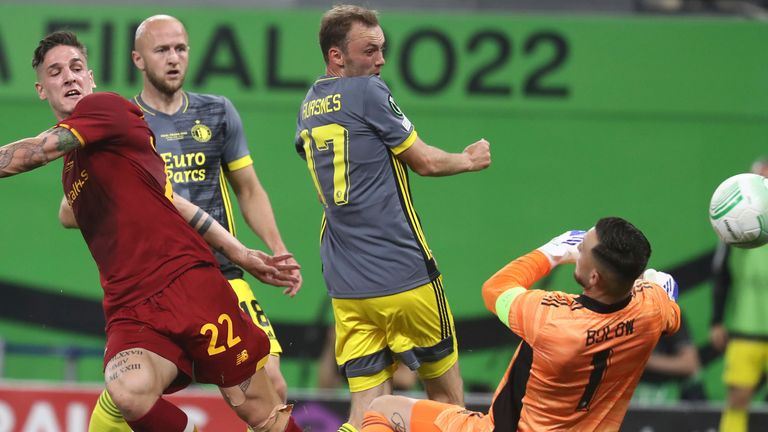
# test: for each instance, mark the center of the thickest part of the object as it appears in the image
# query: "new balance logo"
(242, 357)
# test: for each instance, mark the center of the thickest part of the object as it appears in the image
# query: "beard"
(579, 280)
(163, 86)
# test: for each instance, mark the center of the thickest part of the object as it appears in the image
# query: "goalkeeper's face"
(585, 272)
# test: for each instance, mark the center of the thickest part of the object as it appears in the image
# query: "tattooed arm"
(266, 268)
(30, 153)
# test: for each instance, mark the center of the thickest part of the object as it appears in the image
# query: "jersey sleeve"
(669, 311)
(235, 154)
(385, 117)
(298, 139)
(99, 117)
(526, 315)
(513, 278)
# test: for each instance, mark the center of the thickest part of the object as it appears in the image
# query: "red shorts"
(196, 324)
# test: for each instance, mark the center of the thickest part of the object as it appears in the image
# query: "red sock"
(163, 416)
(375, 422)
(292, 426)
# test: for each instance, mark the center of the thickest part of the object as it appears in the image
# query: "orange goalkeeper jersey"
(580, 360)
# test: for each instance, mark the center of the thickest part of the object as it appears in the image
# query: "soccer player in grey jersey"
(386, 290)
(201, 139)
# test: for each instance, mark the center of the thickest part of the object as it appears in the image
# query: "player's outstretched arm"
(519, 275)
(427, 160)
(30, 153)
(266, 268)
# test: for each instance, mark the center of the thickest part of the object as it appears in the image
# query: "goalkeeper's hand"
(564, 248)
(664, 280)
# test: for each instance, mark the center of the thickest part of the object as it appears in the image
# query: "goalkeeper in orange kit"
(581, 355)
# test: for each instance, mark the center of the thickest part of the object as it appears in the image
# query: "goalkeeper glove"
(664, 280)
(563, 248)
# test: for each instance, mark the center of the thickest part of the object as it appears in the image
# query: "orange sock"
(375, 422)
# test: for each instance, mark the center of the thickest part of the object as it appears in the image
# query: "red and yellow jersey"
(580, 360)
(122, 201)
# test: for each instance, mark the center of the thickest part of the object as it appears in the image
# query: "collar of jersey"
(145, 107)
(596, 306)
(326, 78)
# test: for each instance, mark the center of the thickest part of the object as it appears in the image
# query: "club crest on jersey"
(201, 132)
(395, 108)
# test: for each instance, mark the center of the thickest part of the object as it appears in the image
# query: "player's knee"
(131, 401)
(132, 394)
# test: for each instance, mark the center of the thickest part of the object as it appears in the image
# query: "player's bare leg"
(735, 417)
(136, 378)
(258, 404)
(276, 376)
(359, 401)
(389, 413)
(447, 388)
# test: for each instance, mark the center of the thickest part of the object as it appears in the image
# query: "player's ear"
(40, 91)
(336, 57)
(93, 81)
(137, 60)
(595, 277)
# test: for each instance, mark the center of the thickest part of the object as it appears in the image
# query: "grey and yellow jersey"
(198, 143)
(350, 132)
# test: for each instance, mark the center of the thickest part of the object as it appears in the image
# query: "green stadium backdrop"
(587, 117)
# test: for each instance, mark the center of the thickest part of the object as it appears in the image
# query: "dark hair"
(336, 24)
(52, 41)
(622, 249)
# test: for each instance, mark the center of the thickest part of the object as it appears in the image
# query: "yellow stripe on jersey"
(402, 183)
(325, 79)
(323, 223)
(227, 203)
(186, 101)
(240, 163)
(405, 145)
(74, 132)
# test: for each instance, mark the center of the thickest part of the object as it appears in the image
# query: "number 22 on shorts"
(231, 341)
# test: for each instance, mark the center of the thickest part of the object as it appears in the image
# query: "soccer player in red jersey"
(170, 313)
(581, 355)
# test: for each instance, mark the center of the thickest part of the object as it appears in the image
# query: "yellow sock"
(106, 417)
(346, 427)
(734, 420)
